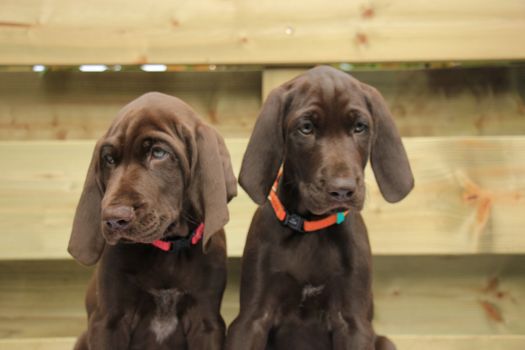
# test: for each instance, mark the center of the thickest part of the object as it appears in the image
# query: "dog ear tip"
(248, 186)
(85, 262)
(82, 260)
(233, 194)
(397, 196)
(394, 198)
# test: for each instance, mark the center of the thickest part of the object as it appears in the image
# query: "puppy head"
(157, 171)
(324, 126)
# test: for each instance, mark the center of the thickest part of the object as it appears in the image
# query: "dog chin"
(334, 208)
(127, 238)
(146, 235)
(116, 238)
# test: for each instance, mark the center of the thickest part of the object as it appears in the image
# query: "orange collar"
(296, 222)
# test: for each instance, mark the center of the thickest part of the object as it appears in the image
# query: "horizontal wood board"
(75, 105)
(268, 31)
(403, 342)
(435, 102)
(469, 198)
(420, 296)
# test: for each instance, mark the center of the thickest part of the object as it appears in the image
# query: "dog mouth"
(323, 208)
(317, 202)
(144, 235)
(330, 210)
(338, 209)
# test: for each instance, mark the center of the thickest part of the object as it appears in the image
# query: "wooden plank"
(469, 198)
(403, 342)
(442, 102)
(65, 343)
(478, 342)
(430, 296)
(269, 31)
(75, 105)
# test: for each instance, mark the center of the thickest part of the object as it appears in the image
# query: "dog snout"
(342, 188)
(118, 218)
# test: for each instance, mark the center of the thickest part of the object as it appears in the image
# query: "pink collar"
(178, 243)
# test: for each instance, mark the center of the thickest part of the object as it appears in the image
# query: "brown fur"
(313, 290)
(158, 172)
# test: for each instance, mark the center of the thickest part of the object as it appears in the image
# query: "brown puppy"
(312, 290)
(156, 174)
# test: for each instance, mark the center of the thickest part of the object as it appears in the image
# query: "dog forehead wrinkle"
(142, 124)
(332, 95)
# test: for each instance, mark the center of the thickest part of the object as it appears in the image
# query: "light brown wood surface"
(438, 299)
(469, 198)
(75, 105)
(403, 342)
(436, 102)
(269, 31)
(442, 102)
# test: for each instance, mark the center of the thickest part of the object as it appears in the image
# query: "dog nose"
(118, 217)
(342, 188)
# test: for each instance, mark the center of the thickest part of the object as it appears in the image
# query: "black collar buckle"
(179, 243)
(294, 221)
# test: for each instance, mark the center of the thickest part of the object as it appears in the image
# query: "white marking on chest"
(310, 291)
(165, 321)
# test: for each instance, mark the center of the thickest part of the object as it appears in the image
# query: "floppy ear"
(86, 242)
(388, 156)
(264, 154)
(213, 183)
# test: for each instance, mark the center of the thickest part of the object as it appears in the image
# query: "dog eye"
(158, 153)
(108, 158)
(360, 127)
(306, 127)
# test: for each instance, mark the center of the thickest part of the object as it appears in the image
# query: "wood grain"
(479, 342)
(436, 102)
(469, 198)
(269, 31)
(419, 296)
(403, 342)
(75, 105)
(442, 102)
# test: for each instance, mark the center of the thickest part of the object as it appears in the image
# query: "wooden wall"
(266, 31)
(449, 260)
(59, 105)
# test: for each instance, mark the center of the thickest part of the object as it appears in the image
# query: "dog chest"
(310, 259)
(165, 321)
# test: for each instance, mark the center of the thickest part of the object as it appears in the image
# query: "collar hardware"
(180, 243)
(295, 221)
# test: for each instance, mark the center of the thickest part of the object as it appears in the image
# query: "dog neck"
(287, 213)
(180, 243)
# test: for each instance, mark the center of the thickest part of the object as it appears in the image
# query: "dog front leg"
(108, 332)
(205, 333)
(383, 343)
(349, 333)
(249, 332)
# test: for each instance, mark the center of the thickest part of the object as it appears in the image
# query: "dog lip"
(148, 237)
(112, 240)
(338, 210)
